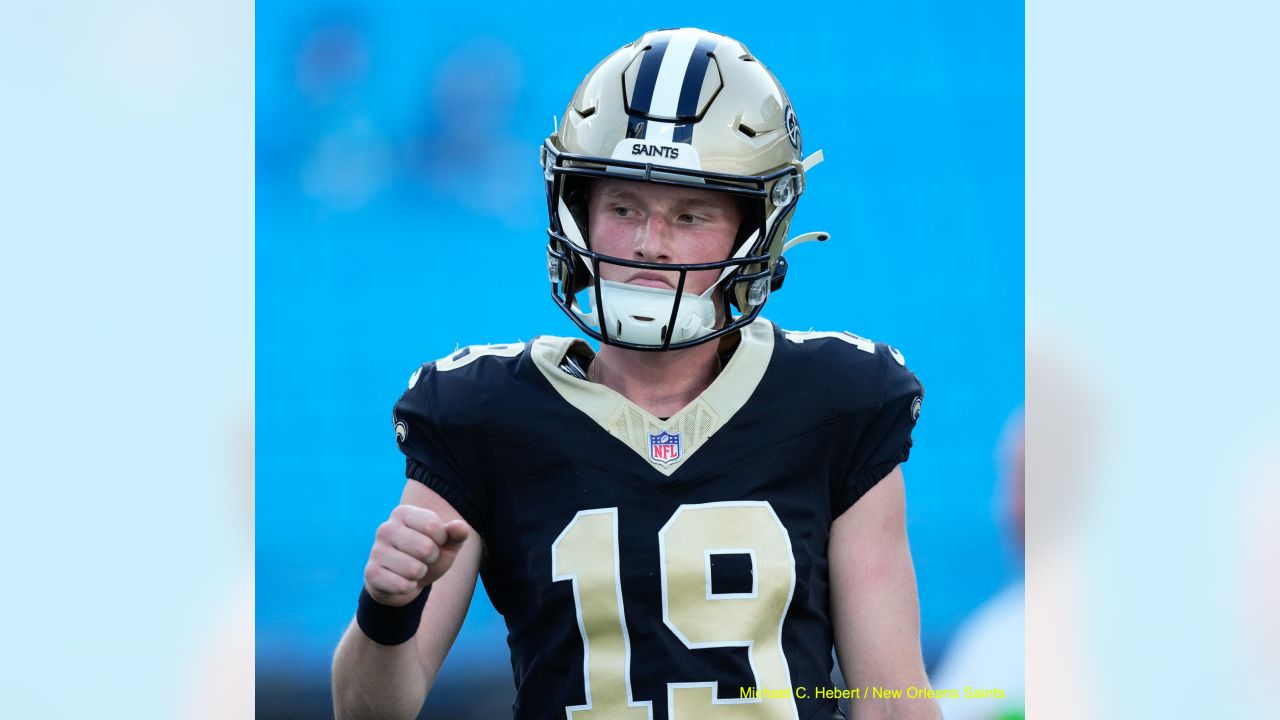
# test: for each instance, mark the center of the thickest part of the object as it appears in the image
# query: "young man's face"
(661, 224)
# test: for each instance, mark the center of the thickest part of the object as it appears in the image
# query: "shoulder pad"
(855, 372)
(465, 356)
(816, 336)
(464, 382)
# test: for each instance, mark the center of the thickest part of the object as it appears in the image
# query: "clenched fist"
(411, 550)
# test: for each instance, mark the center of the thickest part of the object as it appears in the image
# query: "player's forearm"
(897, 690)
(371, 681)
(920, 708)
(917, 707)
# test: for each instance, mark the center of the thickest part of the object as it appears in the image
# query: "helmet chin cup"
(640, 315)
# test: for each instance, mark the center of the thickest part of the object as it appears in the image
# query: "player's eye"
(622, 211)
(689, 218)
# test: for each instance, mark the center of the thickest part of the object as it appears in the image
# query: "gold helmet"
(675, 107)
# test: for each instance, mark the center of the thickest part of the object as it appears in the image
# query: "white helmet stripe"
(659, 131)
(666, 91)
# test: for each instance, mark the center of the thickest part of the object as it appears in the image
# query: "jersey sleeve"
(430, 457)
(885, 437)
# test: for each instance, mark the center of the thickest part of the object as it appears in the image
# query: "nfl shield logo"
(664, 448)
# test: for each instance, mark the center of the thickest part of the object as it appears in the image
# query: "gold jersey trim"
(632, 424)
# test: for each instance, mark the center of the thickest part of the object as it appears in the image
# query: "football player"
(685, 523)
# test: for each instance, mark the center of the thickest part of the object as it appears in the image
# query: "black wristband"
(387, 625)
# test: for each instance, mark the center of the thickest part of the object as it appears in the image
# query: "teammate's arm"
(424, 542)
(876, 612)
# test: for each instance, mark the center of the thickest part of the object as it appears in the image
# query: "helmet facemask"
(649, 318)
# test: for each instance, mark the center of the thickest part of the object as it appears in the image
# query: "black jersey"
(651, 568)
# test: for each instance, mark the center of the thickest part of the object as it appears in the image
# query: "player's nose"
(653, 241)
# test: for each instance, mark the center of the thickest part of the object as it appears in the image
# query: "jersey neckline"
(664, 444)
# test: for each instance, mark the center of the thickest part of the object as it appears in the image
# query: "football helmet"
(675, 107)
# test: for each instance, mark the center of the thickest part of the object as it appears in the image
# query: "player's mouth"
(650, 279)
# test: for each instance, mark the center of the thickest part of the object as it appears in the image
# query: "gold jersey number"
(586, 554)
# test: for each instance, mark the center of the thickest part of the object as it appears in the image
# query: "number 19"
(586, 554)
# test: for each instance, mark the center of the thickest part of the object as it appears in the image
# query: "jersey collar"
(664, 444)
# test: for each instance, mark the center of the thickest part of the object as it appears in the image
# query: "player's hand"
(411, 550)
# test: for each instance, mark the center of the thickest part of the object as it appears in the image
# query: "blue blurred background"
(400, 214)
